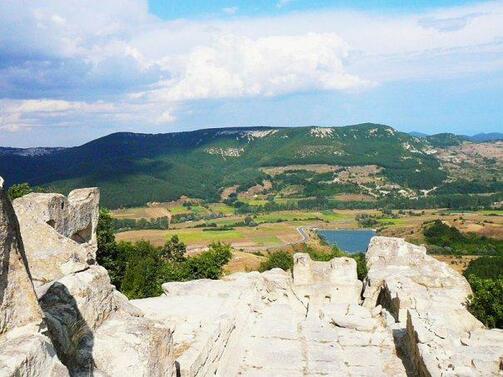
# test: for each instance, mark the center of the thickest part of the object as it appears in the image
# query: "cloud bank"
(67, 63)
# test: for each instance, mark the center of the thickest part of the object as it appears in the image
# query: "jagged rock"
(18, 302)
(92, 328)
(29, 355)
(326, 282)
(264, 325)
(427, 299)
(59, 234)
(24, 349)
(134, 347)
(96, 330)
(403, 277)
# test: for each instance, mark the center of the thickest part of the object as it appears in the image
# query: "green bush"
(19, 190)
(110, 254)
(209, 265)
(317, 255)
(278, 259)
(485, 276)
(141, 278)
(486, 303)
(486, 268)
(174, 250)
(449, 240)
(139, 269)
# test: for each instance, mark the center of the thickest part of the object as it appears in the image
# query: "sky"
(72, 71)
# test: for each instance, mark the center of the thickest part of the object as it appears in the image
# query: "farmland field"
(277, 229)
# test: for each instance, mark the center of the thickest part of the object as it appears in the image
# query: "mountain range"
(133, 169)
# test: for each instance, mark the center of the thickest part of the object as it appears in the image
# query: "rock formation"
(427, 300)
(25, 350)
(89, 328)
(60, 315)
(59, 233)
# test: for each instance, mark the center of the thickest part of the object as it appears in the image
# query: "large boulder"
(59, 233)
(24, 349)
(95, 329)
(91, 328)
(428, 302)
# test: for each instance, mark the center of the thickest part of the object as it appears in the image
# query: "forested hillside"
(133, 169)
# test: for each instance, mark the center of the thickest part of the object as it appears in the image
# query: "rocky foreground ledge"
(60, 316)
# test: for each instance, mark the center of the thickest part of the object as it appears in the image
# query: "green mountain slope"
(132, 169)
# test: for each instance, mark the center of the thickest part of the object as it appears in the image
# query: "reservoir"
(351, 241)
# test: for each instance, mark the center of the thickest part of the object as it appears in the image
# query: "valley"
(267, 232)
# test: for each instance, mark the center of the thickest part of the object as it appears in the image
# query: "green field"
(280, 228)
(490, 212)
(221, 208)
(390, 221)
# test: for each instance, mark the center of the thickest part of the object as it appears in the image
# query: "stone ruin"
(60, 316)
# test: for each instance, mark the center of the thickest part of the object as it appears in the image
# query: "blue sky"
(203, 8)
(72, 71)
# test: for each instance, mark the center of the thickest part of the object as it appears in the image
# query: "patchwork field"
(258, 237)
(280, 229)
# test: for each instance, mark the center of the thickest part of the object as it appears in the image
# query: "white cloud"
(21, 115)
(235, 66)
(144, 68)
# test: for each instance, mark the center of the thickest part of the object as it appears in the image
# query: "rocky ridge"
(60, 316)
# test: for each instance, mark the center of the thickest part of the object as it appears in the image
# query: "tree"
(278, 259)
(19, 190)
(486, 303)
(141, 277)
(174, 250)
(108, 254)
(209, 265)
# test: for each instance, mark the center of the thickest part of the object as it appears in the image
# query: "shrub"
(486, 303)
(141, 277)
(19, 190)
(361, 265)
(209, 265)
(110, 255)
(278, 259)
(486, 268)
(485, 276)
(318, 255)
(174, 250)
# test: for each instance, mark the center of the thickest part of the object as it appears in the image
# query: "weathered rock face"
(59, 234)
(428, 299)
(18, 302)
(326, 282)
(92, 329)
(24, 349)
(271, 324)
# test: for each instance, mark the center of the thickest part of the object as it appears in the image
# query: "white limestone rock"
(134, 347)
(94, 329)
(24, 349)
(59, 234)
(428, 300)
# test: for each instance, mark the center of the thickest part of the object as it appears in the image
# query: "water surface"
(351, 241)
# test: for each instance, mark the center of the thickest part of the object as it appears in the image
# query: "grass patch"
(221, 208)
(192, 236)
(178, 210)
